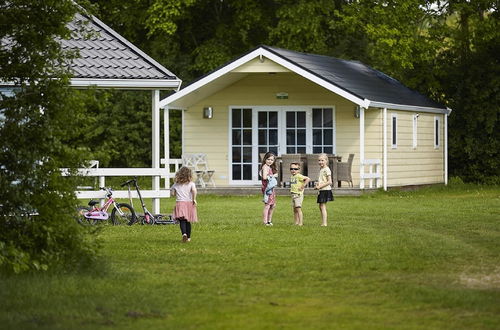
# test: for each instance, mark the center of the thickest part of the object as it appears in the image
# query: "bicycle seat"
(93, 202)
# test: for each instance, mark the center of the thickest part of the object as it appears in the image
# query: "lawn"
(427, 259)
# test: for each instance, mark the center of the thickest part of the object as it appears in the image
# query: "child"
(268, 172)
(185, 206)
(297, 184)
(324, 185)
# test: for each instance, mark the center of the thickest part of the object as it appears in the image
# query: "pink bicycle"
(121, 214)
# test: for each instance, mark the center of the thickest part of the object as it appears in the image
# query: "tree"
(38, 113)
(470, 84)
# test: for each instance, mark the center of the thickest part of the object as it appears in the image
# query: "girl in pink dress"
(268, 168)
(185, 206)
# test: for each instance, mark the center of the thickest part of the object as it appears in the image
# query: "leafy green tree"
(38, 112)
(470, 84)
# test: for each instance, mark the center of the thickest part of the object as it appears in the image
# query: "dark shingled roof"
(107, 55)
(356, 78)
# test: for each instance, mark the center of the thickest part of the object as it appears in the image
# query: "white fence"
(373, 174)
(155, 173)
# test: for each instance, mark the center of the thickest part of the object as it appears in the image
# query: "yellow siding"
(406, 165)
(421, 165)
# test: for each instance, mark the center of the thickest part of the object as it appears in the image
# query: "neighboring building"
(107, 60)
(291, 102)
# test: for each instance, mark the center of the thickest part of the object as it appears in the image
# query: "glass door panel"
(241, 141)
(295, 132)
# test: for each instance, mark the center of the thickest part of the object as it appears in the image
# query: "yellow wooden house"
(273, 99)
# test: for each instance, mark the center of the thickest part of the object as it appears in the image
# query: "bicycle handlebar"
(127, 182)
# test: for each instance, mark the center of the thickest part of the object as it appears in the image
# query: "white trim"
(155, 96)
(446, 149)
(126, 83)
(394, 131)
(279, 60)
(385, 148)
(361, 148)
(415, 130)
(393, 106)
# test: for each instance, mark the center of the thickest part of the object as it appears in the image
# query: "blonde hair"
(183, 175)
(324, 156)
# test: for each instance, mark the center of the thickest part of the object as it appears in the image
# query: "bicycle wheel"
(125, 216)
(80, 218)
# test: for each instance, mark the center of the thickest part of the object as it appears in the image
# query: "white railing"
(373, 174)
(176, 162)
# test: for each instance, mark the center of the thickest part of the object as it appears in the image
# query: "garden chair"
(199, 165)
(344, 170)
(286, 160)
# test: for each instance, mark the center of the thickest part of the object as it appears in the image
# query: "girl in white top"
(324, 185)
(185, 206)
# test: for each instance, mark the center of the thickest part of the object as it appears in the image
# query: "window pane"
(327, 117)
(290, 137)
(317, 137)
(328, 150)
(247, 136)
(274, 149)
(273, 136)
(247, 155)
(236, 136)
(236, 172)
(262, 150)
(317, 118)
(262, 136)
(236, 155)
(290, 150)
(236, 117)
(247, 172)
(262, 119)
(301, 119)
(301, 150)
(301, 137)
(328, 137)
(273, 119)
(290, 119)
(317, 150)
(247, 118)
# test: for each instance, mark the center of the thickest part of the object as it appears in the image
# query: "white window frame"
(281, 133)
(415, 130)
(437, 132)
(394, 130)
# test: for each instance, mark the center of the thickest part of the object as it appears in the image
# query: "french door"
(282, 130)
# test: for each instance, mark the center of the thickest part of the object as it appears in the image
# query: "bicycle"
(147, 218)
(122, 213)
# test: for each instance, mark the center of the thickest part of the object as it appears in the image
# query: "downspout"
(385, 148)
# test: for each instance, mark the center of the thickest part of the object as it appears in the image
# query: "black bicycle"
(147, 218)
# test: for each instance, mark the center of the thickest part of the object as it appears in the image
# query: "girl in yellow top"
(324, 185)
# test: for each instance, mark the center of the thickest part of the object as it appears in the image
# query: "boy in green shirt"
(297, 184)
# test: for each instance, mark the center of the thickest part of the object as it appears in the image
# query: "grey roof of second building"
(356, 78)
(104, 54)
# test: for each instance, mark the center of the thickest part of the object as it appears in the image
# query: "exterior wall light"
(208, 112)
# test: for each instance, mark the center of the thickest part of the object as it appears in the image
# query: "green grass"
(428, 259)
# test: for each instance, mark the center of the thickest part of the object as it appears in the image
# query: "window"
(241, 136)
(394, 120)
(437, 127)
(322, 130)
(415, 126)
(295, 132)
